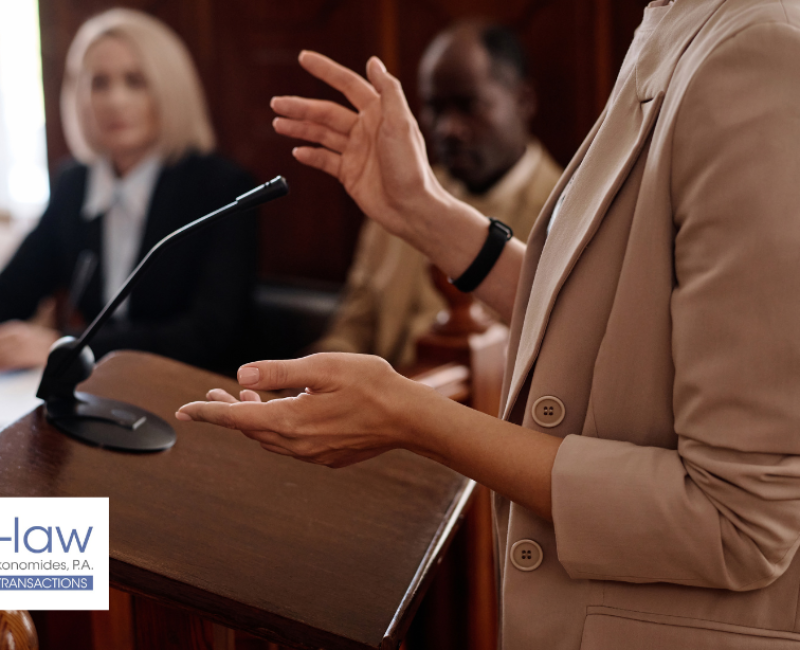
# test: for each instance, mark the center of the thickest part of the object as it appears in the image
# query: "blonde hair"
(171, 77)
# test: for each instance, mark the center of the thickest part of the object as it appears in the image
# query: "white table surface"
(18, 394)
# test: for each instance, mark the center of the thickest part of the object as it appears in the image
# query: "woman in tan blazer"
(647, 465)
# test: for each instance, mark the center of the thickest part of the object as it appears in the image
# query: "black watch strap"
(499, 234)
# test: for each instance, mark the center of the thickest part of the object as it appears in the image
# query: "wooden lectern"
(298, 554)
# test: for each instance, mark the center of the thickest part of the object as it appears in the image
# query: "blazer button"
(548, 411)
(526, 555)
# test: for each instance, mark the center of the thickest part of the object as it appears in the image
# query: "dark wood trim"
(444, 536)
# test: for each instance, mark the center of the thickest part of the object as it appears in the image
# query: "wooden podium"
(298, 554)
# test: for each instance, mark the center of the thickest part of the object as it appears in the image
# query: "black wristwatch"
(499, 234)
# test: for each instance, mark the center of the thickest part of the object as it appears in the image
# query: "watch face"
(499, 225)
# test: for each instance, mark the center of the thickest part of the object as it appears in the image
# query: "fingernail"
(248, 376)
(182, 416)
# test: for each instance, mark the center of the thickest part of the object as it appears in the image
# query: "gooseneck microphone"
(105, 422)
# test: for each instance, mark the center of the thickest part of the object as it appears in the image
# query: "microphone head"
(274, 189)
(62, 372)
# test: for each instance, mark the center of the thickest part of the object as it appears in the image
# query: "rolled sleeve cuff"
(617, 511)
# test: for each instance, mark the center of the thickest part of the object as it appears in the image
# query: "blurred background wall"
(246, 51)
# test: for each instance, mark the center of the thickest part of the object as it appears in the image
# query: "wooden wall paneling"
(313, 233)
(56, 25)
(625, 18)
(604, 57)
(560, 40)
(390, 35)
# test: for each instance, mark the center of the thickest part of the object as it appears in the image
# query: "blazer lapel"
(535, 244)
(597, 180)
(602, 166)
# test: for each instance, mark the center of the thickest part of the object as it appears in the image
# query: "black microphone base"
(110, 424)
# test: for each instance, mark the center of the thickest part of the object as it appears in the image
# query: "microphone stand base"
(110, 424)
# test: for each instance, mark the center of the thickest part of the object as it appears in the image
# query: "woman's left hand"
(354, 407)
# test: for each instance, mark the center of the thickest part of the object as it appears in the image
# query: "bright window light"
(24, 185)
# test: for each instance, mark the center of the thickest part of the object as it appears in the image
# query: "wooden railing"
(17, 631)
(463, 357)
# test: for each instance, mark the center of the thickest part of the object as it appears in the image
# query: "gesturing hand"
(354, 407)
(377, 153)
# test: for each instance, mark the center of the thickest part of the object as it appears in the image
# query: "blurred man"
(477, 103)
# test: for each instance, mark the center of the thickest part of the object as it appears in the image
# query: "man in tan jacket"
(477, 104)
(647, 466)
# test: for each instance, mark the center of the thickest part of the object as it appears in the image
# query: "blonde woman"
(136, 122)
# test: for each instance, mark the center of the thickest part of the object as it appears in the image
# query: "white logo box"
(53, 553)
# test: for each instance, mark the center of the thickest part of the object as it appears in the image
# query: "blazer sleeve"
(37, 267)
(723, 509)
(206, 334)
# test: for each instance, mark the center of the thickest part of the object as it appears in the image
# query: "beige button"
(548, 411)
(526, 555)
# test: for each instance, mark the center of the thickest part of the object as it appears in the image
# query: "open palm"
(377, 153)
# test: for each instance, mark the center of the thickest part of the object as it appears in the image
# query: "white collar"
(132, 192)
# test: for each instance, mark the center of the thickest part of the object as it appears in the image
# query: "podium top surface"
(256, 541)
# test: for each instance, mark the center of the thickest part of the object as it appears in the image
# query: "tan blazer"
(390, 299)
(663, 312)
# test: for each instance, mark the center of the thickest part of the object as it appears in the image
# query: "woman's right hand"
(377, 153)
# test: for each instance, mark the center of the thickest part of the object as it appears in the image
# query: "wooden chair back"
(17, 631)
